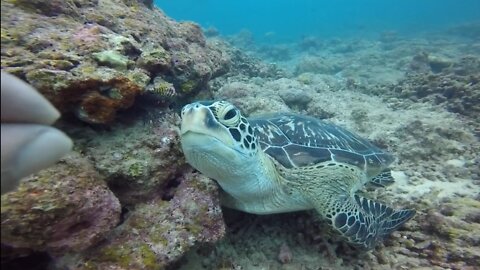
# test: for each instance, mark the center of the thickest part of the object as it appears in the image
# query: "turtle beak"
(198, 118)
(189, 118)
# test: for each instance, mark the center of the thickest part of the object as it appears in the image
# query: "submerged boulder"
(158, 232)
(65, 208)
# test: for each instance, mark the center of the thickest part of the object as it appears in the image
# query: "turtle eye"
(229, 115)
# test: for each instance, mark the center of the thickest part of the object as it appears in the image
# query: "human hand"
(28, 143)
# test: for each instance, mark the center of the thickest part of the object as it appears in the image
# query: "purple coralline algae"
(65, 208)
(159, 231)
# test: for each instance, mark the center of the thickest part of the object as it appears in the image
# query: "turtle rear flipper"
(363, 222)
(383, 179)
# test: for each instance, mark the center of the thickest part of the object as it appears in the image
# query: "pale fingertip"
(22, 103)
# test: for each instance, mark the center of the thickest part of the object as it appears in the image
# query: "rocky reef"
(138, 160)
(454, 85)
(157, 232)
(125, 198)
(92, 58)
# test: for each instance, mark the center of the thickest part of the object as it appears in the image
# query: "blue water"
(288, 20)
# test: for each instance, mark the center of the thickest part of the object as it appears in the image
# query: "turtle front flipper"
(383, 179)
(330, 188)
(361, 221)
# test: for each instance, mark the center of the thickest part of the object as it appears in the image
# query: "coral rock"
(455, 86)
(155, 60)
(158, 232)
(94, 100)
(65, 208)
(137, 160)
(61, 46)
(49, 7)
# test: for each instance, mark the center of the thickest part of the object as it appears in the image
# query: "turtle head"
(216, 139)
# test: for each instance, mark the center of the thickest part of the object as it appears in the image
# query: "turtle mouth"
(187, 132)
(200, 139)
(196, 139)
(184, 131)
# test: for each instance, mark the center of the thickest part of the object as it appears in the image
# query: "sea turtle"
(288, 162)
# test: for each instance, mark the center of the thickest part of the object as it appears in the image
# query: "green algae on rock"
(112, 59)
(155, 59)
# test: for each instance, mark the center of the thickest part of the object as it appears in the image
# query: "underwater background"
(403, 74)
(287, 21)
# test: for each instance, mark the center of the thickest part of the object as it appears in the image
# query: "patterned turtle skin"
(288, 162)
